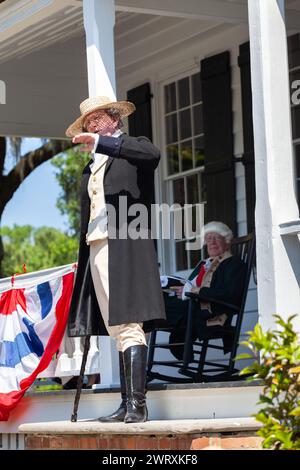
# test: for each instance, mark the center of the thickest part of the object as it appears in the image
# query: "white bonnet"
(217, 227)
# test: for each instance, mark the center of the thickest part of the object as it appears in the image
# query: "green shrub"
(276, 356)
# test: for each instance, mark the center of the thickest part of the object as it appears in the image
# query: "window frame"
(169, 246)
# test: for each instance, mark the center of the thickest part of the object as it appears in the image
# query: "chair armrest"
(194, 296)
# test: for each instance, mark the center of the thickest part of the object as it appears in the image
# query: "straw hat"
(94, 104)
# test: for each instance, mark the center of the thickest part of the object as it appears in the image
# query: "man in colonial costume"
(117, 288)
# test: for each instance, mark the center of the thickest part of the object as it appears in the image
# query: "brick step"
(137, 442)
(217, 434)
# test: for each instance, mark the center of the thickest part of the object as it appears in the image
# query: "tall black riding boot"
(120, 413)
(135, 362)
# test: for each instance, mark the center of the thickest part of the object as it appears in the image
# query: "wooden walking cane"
(80, 378)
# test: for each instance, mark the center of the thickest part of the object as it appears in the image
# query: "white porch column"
(278, 256)
(99, 20)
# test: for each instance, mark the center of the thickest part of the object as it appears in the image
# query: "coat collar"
(98, 163)
(108, 163)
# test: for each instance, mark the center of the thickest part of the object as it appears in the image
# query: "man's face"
(99, 122)
(216, 244)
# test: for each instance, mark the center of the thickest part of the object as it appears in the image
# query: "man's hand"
(86, 138)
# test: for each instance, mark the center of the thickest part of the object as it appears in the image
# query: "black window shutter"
(140, 122)
(219, 178)
(248, 157)
(294, 62)
(293, 43)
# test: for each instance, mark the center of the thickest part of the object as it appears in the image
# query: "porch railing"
(68, 359)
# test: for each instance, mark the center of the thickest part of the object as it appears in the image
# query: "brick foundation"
(213, 441)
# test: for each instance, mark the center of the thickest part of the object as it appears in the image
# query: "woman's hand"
(86, 138)
(178, 291)
(195, 289)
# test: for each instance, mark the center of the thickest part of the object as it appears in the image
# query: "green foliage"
(40, 387)
(38, 248)
(70, 166)
(276, 363)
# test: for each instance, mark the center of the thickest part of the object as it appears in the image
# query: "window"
(184, 151)
(184, 125)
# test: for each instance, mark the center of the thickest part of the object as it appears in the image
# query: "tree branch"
(26, 165)
(2, 153)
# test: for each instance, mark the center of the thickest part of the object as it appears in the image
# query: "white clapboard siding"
(44, 89)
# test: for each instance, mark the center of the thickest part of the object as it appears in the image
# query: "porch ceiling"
(25, 29)
(65, 22)
(27, 26)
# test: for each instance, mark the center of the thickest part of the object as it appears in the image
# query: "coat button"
(94, 192)
(93, 205)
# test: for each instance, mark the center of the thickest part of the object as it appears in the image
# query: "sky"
(34, 202)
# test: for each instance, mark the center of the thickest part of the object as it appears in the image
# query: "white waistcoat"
(97, 228)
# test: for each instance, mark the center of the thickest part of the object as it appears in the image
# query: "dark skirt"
(177, 313)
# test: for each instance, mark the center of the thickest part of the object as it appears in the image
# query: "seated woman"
(220, 277)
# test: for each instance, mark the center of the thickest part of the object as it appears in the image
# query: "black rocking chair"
(195, 370)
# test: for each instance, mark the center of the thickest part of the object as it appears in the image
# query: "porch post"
(99, 20)
(278, 256)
